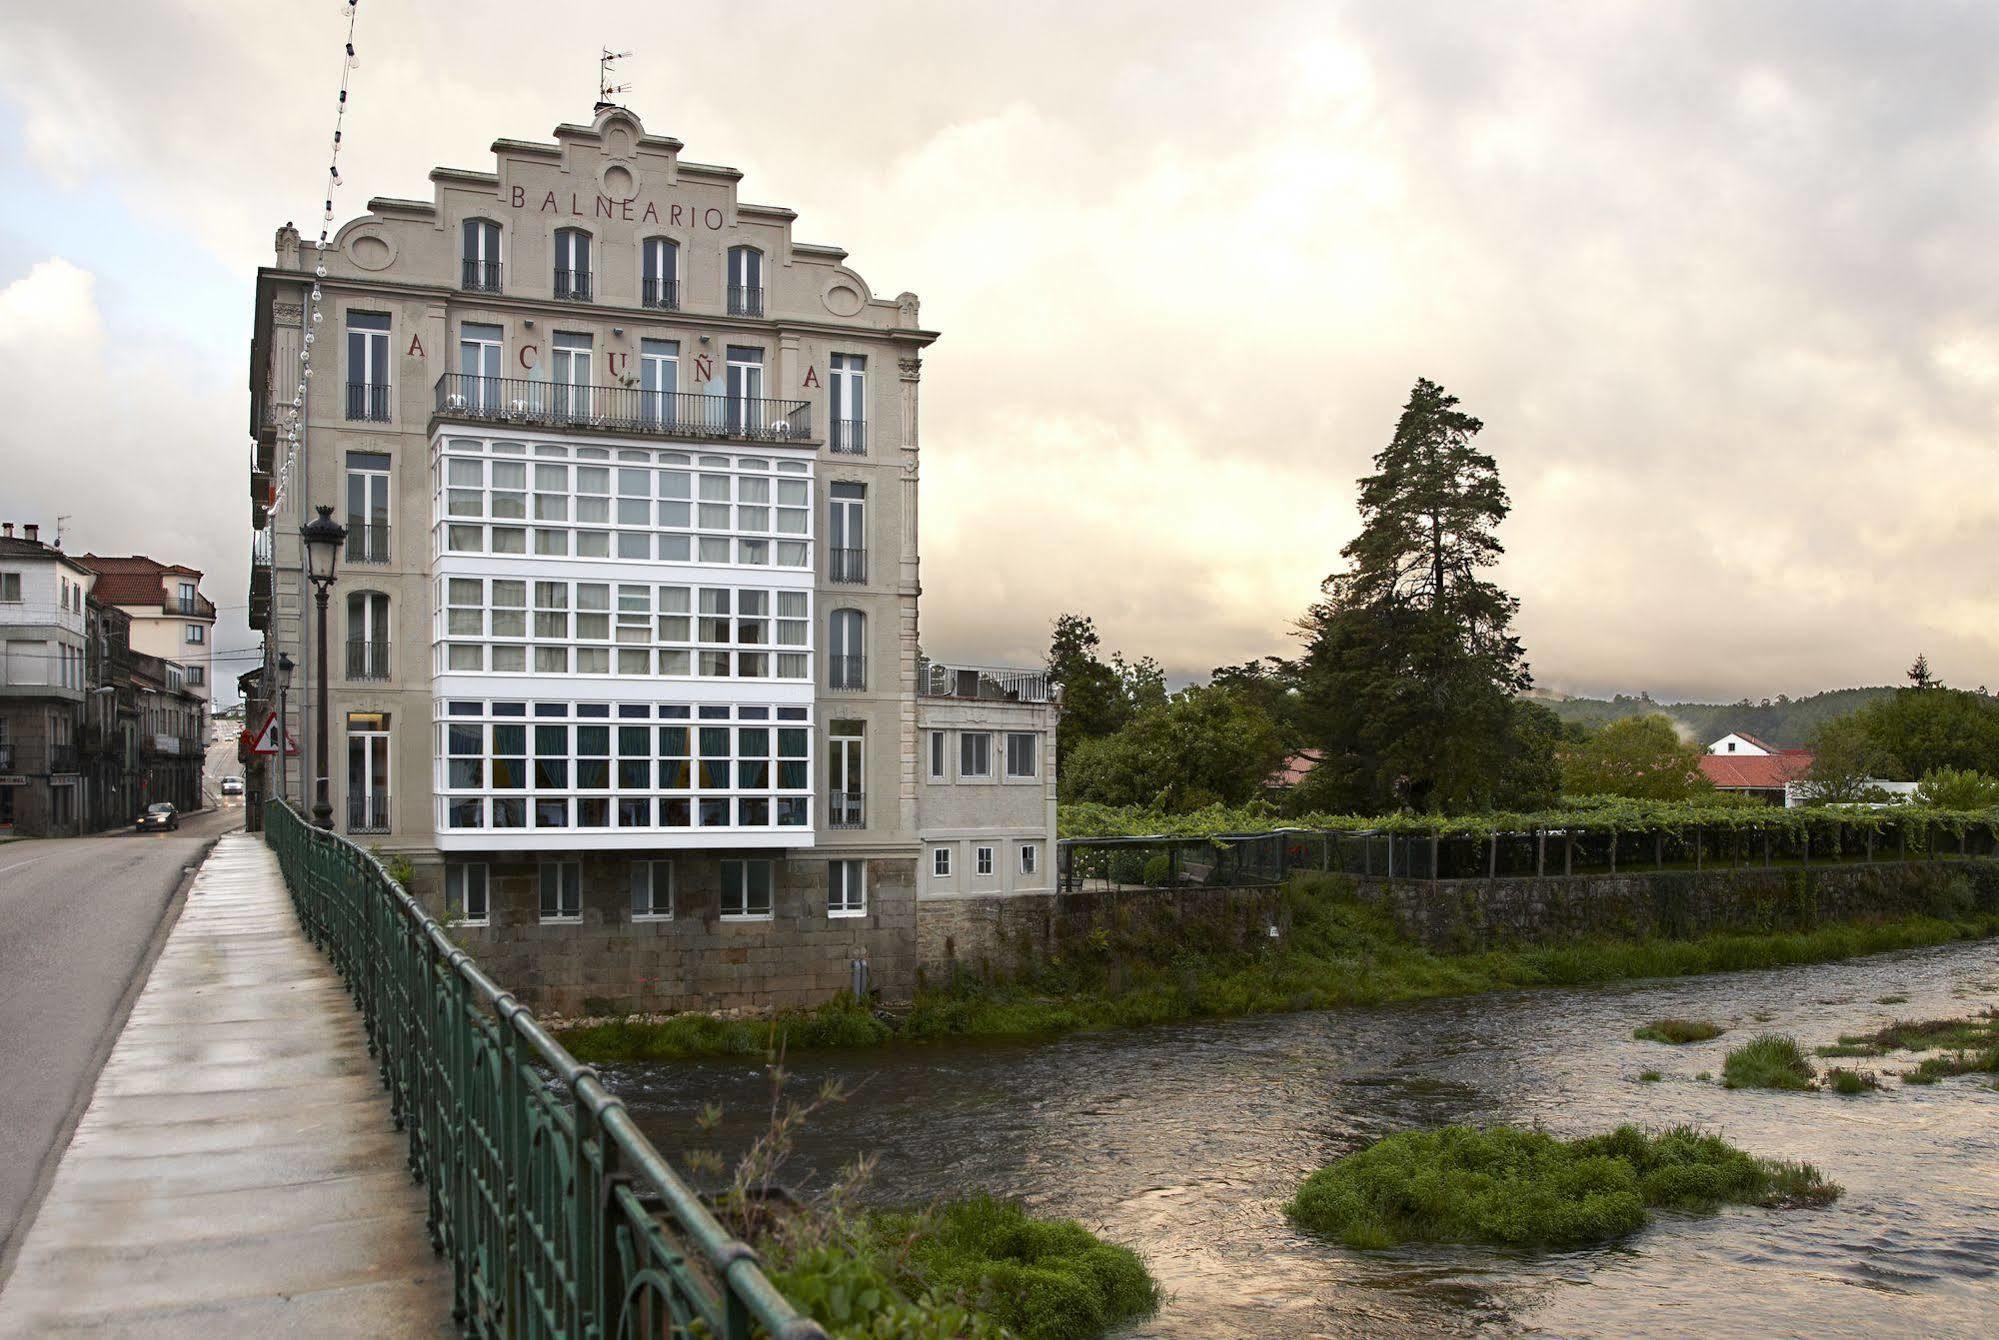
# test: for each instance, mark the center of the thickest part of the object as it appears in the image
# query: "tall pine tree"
(1411, 664)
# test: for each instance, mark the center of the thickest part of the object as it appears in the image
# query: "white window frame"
(1030, 856)
(746, 911)
(651, 874)
(940, 863)
(564, 870)
(843, 878)
(456, 907)
(196, 635)
(567, 243)
(982, 860)
(1033, 739)
(965, 739)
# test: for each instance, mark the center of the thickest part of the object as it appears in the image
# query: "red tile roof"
(1756, 772)
(1294, 769)
(136, 579)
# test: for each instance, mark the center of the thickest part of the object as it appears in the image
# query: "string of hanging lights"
(294, 423)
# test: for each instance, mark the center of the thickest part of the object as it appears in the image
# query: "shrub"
(1850, 1081)
(1649, 1077)
(1677, 1031)
(1526, 1188)
(1771, 1061)
(1159, 871)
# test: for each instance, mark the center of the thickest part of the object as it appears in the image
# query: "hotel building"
(624, 637)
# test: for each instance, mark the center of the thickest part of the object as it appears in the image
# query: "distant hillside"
(1787, 722)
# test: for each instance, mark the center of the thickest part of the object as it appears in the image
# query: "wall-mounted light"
(528, 322)
(617, 330)
(704, 339)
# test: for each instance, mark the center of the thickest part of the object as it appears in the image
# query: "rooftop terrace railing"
(558, 1216)
(983, 682)
(621, 409)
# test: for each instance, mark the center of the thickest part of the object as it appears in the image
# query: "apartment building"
(171, 618)
(43, 682)
(624, 638)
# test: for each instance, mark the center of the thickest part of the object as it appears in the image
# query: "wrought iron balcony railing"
(849, 437)
(847, 565)
(847, 672)
(367, 660)
(368, 402)
(622, 409)
(367, 813)
(661, 293)
(482, 277)
(846, 809)
(573, 285)
(367, 541)
(986, 683)
(745, 301)
(62, 758)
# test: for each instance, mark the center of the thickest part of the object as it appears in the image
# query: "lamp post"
(323, 537)
(284, 678)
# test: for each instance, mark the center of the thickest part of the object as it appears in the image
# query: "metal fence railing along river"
(559, 1218)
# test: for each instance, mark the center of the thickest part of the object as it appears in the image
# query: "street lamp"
(323, 537)
(284, 681)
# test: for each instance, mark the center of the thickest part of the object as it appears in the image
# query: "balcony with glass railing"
(519, 401)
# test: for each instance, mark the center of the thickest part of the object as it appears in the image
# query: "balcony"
(368, 402)
(572, 285)
(663, 294)
(481, 277)
(849, 437)
(62, 758)
(261, 578)
(847, 672)
(846, 809)
(367, 660)
(988, 684)
(745, 301)
(367, 541)
(166, 744)
(517, 401)
(368, 813)
(847, 565)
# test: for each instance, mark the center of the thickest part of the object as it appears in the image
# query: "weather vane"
(606, 90)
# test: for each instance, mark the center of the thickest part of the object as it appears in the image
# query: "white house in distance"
(1748, 766)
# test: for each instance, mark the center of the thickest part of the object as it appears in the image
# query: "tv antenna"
(606, 90)
(62, 517)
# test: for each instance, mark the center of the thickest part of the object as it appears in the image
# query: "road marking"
(21, 865)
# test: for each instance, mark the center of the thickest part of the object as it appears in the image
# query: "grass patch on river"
(1771, 1061)
(1966, 1046)
(1677, 1031)
(1525, 1188)
(1152, 968)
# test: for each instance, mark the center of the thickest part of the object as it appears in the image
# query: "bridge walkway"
(236, 1172)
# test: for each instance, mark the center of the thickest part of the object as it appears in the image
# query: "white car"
(232, 786)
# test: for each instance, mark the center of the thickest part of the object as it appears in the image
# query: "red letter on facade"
(527, 349)
(651, 214)
(416, 348)
(520, 197)
(811, 376)
(548, 203)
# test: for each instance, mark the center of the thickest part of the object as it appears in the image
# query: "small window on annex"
(746, 887)
(465, 894)
(847, 888)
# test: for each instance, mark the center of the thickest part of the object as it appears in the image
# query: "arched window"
(746, 281)
(367, 635)
(482, 256)
(572, 264)
(846, 650)
(660, 263)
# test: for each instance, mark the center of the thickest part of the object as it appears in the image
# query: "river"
(1183, 1142)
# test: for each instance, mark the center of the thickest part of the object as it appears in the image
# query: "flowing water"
(1183, 1143)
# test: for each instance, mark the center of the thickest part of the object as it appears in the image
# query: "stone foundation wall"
(612, 963)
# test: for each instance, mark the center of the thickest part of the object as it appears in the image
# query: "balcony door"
(845, 781)
(479, 366)
(569, 369)
(746, 388)
(367, 772)
(659, 379)
(367, 635)
(367, 507)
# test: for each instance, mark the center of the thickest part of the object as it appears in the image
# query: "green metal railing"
(559, 1217)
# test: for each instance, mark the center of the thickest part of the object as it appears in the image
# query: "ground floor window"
(847, 889)
(561, 891)
(1027, 855)
(465, 893)
(985, 860)
(746, 889)
(652, 890)
(940, 862)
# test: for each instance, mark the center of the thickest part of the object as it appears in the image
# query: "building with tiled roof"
(171, 619)
(1748, 766)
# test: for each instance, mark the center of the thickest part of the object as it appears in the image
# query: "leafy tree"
(1958, 789)
(1093, 695)
(1845, 757)
(1640, 757)
(1920, 676)
(1532, 777)
(1201, 746)
(1142, 682)
(1919, 730)
(1272, 684)
(1411, 663)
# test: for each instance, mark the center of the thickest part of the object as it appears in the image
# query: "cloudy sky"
(1719, 278)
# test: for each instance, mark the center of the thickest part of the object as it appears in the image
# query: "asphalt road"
(77, 918)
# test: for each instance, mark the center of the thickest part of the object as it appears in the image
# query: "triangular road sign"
(266, 741)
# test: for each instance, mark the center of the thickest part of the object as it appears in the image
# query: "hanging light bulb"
(305, 355)
(308, 371)
(320, 270)
(315, 293)
(309, 338)
(316, 317)
(295, 403)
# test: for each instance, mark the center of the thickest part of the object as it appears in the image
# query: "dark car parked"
(162, 816)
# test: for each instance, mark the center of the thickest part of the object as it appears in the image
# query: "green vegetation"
(1892, 1000)
(1968, 1045)
(1782, 721)
(1649, 1077)
(1157, 965)
(1958, 789)
(1771, 1061)
(1640, 757)
(1678, 1031)
(1201, 746)
(1841, 1080)
(1526, 1188)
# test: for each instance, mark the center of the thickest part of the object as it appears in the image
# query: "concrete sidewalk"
(236, 1172)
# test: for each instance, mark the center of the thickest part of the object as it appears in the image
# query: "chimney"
(6, 530)
(32, 532)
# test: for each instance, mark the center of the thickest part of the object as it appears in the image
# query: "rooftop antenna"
(606, 90)
(60, 518)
